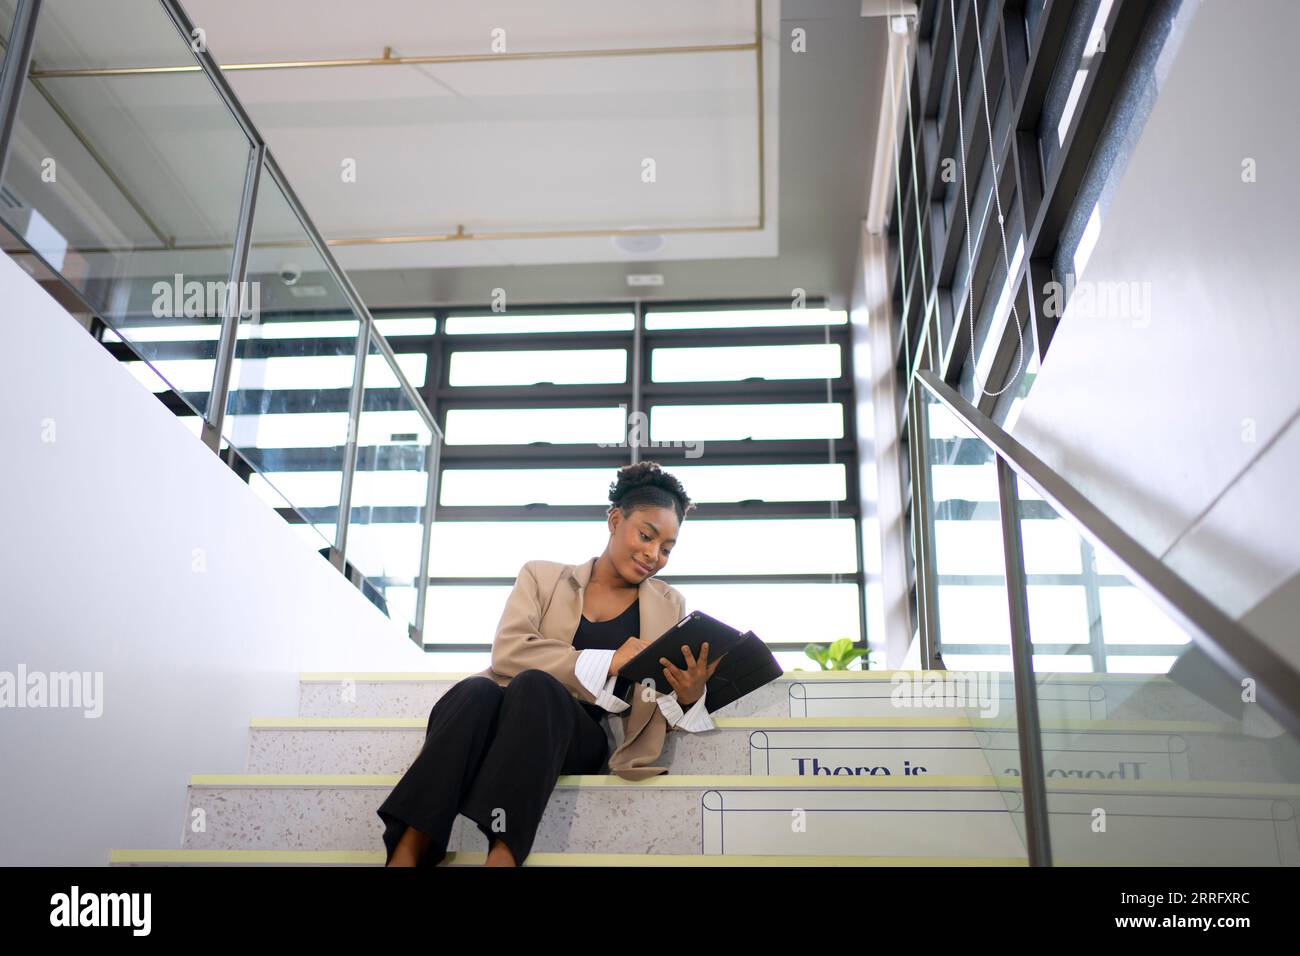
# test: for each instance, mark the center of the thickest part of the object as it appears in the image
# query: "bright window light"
(741, 546)
(777, 613)
(515, 324)
(1058, 614)
(737, 363)
(973, 614)
(558, 367)
(737, 422)
(742, 318)
(522, 426)
(590, 486)
(1129, 617)
(1138, 664)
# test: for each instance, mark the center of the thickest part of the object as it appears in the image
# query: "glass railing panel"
(390, 490)
(1153, 754)
(129, 186)
(294, 366)
(967, 542)
(319, 537)
(7, 10)
(970, 574)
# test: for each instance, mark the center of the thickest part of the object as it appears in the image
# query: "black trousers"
(493, 753)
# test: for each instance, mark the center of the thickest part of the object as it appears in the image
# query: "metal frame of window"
(1025, 44)
(638, 392)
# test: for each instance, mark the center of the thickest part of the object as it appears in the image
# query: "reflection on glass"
(1138, 723)
(1186, 768)
(138, 216)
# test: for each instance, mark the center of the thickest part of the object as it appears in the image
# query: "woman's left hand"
(689, 683)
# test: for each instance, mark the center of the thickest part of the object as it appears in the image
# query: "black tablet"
(692, 630)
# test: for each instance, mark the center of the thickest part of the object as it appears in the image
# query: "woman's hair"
(645, 484)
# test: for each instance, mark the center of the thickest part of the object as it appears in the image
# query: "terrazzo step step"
(377, 858)
(1100, 822)
(819, 694)
(668, 814)
(823, 746)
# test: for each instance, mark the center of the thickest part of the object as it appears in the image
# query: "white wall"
(889, 626)
(1181, 421)
(97, 575)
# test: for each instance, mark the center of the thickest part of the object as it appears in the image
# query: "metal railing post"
(219, 396)
(927, 586)
(356, 404)
(17, 62)
(432, 460)
(1033, 782)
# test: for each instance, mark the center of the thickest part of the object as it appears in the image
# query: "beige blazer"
(536, 631)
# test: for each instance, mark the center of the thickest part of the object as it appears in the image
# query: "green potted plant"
(838, 656)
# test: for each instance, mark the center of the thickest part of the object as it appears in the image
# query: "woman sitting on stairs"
(497, 740)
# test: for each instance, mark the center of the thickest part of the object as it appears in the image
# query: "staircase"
(815, 769)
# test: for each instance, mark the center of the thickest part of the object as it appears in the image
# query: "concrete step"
(1154, 823)
(377, 858)
(825, 746)
(819, 694)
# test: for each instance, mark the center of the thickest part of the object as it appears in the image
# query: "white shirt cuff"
(694, 720)
(592, 669)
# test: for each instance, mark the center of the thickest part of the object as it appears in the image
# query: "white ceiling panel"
(311, 29)
(512, 146)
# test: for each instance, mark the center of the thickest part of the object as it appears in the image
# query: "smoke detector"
(639, 244)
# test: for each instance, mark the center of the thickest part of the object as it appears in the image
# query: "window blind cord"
(961, 152)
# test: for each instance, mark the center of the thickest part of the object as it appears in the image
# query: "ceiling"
(438, 182)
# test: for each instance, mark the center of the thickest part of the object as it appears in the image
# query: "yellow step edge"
(799, 723)
(377, 858)
(420, 677)
(1205, 788)
(613, 781)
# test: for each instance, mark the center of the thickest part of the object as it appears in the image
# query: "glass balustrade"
(1152, 751)
(138, 192)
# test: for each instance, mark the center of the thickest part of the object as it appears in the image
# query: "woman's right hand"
(630, 649)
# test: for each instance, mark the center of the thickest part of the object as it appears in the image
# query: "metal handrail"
(1229, 645)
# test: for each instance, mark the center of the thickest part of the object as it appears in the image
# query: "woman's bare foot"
(410, 848)
(499, 855)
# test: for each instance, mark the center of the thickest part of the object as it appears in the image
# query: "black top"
(608, 635)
